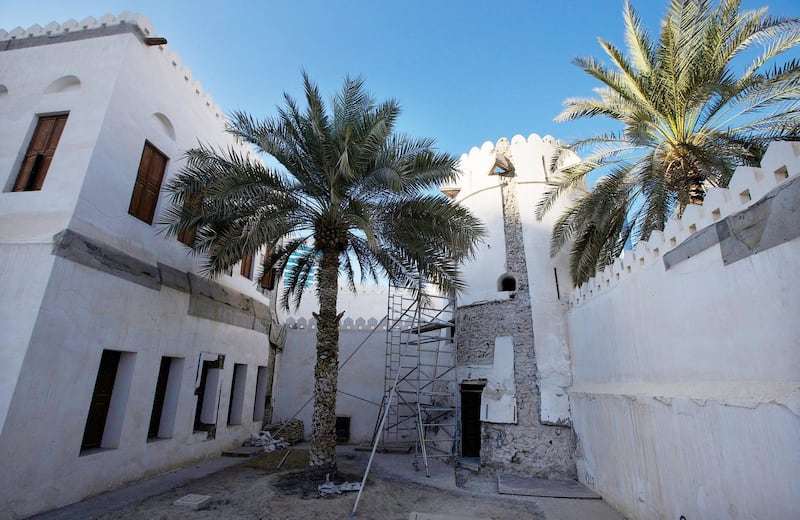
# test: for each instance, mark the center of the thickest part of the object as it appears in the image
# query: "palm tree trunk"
(697, 192)
(323, 421)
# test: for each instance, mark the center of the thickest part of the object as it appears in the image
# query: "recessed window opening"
(744, 197)
(507, 283)
(109, 399)
(269, 278)
(165, 400)
(236, 404)
(260, 401)
(40, 153)
(207, 387)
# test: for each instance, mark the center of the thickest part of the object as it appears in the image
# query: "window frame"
(146, 192)
(31, 173)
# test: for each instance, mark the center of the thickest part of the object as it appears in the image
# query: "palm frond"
(689, 119)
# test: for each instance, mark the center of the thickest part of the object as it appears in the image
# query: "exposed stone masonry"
(528, 447)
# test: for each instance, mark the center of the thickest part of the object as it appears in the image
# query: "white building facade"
(669, 383)
(120, 361)
(686, 358)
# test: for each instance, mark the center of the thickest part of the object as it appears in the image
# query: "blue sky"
(464, 72)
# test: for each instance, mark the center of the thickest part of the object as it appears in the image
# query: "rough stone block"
(85, 251)
(174, 278)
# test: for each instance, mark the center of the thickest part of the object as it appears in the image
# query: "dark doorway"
(471, 420)
(342, 429)
(101, 400)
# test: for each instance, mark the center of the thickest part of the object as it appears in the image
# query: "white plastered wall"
(48, 415)
(60, 315)
(686, 395)
(499, 395)
(362, 338)
(28, 220)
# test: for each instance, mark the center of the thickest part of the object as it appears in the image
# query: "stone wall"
(524, 445)
(524, 407)
(528, 447)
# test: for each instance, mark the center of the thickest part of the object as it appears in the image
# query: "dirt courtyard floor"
(255, 490)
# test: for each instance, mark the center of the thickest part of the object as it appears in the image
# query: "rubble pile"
(291, 431)
(329, 488)
(265, 440)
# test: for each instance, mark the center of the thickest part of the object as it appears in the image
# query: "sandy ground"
(256, 490)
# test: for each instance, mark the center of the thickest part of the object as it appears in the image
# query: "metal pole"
(375, 442)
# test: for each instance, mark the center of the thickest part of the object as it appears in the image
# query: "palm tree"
(354, 199)
(688, 120)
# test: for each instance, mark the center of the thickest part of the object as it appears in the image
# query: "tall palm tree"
(688, 120)
(354, 199)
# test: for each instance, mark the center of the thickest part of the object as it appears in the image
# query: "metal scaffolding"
(421, 369)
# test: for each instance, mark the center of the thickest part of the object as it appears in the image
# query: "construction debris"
(329, 488)
(264, 439)
(291, 431)
(288, 452)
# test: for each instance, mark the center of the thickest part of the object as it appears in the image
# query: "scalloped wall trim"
(357, 324)
(107, 20)
(748, 185)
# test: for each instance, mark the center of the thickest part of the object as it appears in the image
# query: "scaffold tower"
(421, 375)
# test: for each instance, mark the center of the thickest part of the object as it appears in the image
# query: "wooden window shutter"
(268, 280)
(40, 153)
(187, 235)
(247, 266)
(148, 183)
(270, 275)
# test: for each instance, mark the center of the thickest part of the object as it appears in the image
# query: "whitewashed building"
(669, 383)
(677, 367)
(119, 361)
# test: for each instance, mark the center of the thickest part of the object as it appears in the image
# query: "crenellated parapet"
(365, 310)
(144, 24)
(748, 187)
(528, 160)
(346, 324)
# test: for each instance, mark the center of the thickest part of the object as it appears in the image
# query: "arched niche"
(63, 84)
(165, 124)
(3, 90)
(507, 283)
